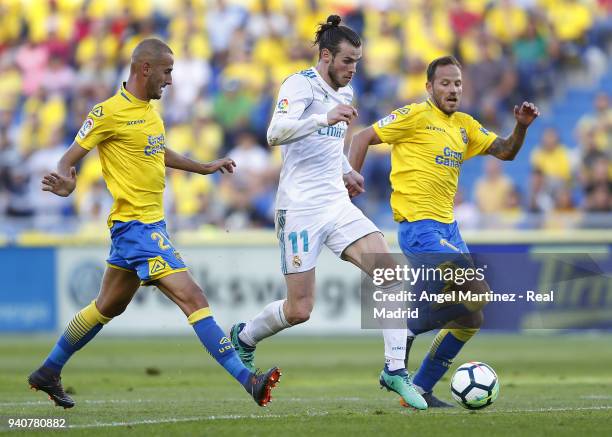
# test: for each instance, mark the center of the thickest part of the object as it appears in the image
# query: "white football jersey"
(312, 151)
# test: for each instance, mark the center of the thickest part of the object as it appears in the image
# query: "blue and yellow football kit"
(428, 149)
(130, 137)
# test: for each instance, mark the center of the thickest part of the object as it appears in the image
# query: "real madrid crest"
(297, 261)
(464, 135)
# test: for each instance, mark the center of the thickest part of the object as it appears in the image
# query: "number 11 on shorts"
(293, 237)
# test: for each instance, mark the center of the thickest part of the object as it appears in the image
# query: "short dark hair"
(330, 34)
(438, 62)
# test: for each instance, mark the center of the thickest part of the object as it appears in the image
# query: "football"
(475, 385)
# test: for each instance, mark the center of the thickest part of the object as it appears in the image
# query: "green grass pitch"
(550, 385)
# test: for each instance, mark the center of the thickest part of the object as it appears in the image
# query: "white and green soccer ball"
(475, 385)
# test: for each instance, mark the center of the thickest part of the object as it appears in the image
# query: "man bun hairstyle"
(330, 34)
(440, 62)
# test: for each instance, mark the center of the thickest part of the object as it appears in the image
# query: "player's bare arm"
(180, 162)
(507, 148)
(63, 182)
(359, 146)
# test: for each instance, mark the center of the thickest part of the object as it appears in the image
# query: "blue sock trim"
(63, 349)
(220, 347)
(434, 367)
(59, 355)
(395, 372)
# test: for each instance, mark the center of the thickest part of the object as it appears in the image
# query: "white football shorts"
(302, 234)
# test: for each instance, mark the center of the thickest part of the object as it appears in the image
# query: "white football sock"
(395, 348)
(265, 324)
(395, 339)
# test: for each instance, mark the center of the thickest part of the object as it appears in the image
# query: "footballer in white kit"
(313, 208)
(312, 204)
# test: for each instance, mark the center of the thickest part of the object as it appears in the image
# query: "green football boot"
(400, 382)
(245, 352)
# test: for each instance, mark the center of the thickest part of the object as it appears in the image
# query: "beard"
(153, 91)
(333, 76)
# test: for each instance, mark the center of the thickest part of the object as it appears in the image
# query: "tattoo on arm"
(507, 148)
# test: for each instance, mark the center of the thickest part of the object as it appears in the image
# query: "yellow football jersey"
(130, 137)
(428, 149)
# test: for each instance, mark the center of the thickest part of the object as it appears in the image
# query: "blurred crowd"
(58, 58)
(569, 187)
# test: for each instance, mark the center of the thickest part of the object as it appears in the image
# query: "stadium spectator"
(506, 20)
(492, 72)
(531, 52)
(466, 213)
(552, 158)
(493, 188)
(232, 107)
(540, 193)
(191, 76)
(48, 209)
(251, 184)
(598, 122)
(222, 19)
(511, 213)
(598, 186)
(462, 19)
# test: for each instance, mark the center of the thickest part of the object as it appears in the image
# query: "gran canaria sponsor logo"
(450, 158)
(156, 143)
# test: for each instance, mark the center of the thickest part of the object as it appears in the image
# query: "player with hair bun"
(313, 207)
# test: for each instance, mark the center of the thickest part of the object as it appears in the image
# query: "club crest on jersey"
(387, 120)
(282, 106)
(87, 126)
(464, 136)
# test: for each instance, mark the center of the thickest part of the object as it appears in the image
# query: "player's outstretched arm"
(507, 148)
(63, 182)
(180, 162)
(359, 146)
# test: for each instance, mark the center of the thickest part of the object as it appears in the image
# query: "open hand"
(526, 113)
(58, 184)
(354, 183)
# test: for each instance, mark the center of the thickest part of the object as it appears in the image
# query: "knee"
(297, 315)
(192, 305)
(473, 320)
(111, 310)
